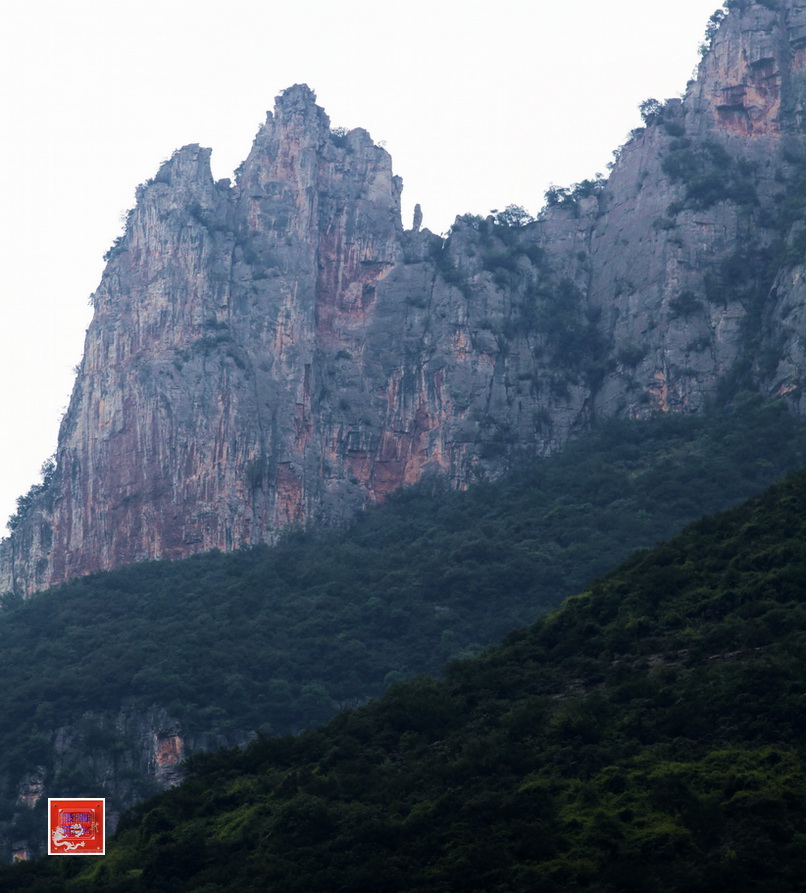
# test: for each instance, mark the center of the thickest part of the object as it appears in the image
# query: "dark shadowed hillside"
(198, 654)
(647, 736)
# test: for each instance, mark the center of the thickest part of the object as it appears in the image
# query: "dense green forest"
(647, 736)
(279, 639)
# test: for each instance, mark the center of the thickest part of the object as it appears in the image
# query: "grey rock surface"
(280, 349)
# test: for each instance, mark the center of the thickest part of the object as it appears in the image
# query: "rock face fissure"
(281, 349)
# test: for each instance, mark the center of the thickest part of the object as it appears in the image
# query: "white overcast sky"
(480, 103)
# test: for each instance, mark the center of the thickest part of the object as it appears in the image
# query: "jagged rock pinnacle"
(281, 349)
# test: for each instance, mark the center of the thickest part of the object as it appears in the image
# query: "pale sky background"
(480, 103)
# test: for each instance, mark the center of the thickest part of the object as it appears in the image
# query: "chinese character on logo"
(75, 827)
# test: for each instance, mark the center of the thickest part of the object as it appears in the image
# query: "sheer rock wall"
(281, 349)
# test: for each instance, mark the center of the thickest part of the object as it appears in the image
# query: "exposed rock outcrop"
(280, 349)
(127, 756)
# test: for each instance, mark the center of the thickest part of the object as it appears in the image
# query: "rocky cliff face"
(130, 755)
(281, 349)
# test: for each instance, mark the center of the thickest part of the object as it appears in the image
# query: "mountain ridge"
(281, 349)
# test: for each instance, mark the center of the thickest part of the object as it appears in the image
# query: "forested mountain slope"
(108, 682)
(647, 736)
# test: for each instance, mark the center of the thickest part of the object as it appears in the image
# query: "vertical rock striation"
(280, 349)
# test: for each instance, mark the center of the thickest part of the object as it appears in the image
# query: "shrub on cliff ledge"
(711, 30)
(686, 304)
(570, 196)
(709, 174)
(512, 215)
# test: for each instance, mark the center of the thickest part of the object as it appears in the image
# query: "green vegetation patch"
(648, 736)
(279, 639)
(709, 173)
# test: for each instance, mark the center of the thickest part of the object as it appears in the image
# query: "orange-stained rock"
(280, 349)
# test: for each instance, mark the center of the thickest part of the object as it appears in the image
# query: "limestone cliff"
(129, 755)
(281, 349)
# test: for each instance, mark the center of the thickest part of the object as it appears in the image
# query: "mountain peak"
(298, 104)
(283, 350)
(296, 96)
